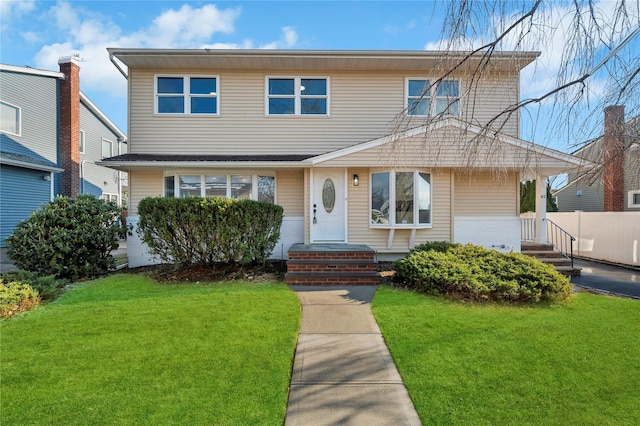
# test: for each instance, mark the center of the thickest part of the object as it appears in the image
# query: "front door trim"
(312, 196)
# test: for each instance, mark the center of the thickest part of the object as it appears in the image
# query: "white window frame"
(203, 190)
(108, 196)
(106, 141)
(631, 195)
(433, 96)
(82, 142)
(186, 95)
(392, 199)
(297, 95)
(18, 119)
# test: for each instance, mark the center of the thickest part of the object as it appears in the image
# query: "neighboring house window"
(634, 199)
(109, 197)
(82, 146)
(297, 96)
(252, 187)
(107, 148)
(10, 118)
(401, 199)
(423, 99)
(195, 95)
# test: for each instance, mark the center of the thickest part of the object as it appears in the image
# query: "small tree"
(528, 197)
(68, 238)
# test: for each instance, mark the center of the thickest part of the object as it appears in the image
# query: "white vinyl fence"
(608, 236)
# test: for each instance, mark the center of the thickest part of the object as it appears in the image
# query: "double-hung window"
(424, 98)
(82, 142)
(297, 96)
(107, 148)
(10, 118)
(193, 95)
(401, 199)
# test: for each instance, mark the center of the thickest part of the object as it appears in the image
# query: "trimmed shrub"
(440, 246)
(209, 230)
(48, 287)
(16, 297)
(475, 273)
(68, 238)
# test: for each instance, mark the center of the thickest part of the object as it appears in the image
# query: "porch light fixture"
(47, 178)
(356, 180)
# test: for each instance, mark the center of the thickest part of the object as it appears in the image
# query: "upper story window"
(82, 142)
(187, 95)
(10, 118)
(401, 199)
(107, 148)
(634, 199)
(423, 99)
(297, 96)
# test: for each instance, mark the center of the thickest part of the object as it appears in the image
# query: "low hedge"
(47, 286)
(478, 274)
(16, 297)
(197, 230)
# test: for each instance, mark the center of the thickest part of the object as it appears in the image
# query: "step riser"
(310, 280)
(332, 268)
(332, 256)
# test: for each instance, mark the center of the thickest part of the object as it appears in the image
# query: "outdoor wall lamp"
(47, 178)
(356, 180)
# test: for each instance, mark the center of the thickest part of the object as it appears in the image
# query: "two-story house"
(51, 137)
(386, 149)
(615, 186)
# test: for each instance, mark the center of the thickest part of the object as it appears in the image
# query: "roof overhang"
(27, 162)
(128, 162)
(317, 60)
(31, 71)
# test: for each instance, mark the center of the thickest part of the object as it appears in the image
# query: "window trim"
(433, 96)
(18, 119)
(82, 147)
(630, 195)
(392, 195)
(254, 181)
(186, 78)
(110, 142)
(297, 96)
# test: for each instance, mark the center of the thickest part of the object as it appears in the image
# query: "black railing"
(561, 239)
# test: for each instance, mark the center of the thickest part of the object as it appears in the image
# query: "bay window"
(400, 199)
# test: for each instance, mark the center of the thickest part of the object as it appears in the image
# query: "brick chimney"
(614, 158)
(70, 126)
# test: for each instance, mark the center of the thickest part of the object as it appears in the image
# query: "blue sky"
(37, 33)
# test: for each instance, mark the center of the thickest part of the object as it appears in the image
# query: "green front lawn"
(127, 350)
(576, 363)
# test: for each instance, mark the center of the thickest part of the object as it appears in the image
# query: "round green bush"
(475, 273)
(68, 238)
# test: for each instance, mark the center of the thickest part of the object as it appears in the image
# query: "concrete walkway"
(343, 373)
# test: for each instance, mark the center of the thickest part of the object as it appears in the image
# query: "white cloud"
(11, 8)
(88, 35)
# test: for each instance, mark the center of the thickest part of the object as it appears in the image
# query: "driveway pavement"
(608, 278)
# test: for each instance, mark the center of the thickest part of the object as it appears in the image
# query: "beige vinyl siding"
(362, 108)
(447, 147)
(483, 194)
(147, 183)
(359, 215)
(290, 192)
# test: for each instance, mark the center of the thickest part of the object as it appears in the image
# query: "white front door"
(328, 206)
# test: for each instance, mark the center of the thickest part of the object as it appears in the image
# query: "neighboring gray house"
(51, 135)
(617, 186)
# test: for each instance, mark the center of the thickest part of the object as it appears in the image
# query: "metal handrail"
(561, 239)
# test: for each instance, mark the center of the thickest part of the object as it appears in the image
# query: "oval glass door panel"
(328, 195)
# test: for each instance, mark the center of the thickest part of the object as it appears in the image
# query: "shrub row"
(16, 297)
(68, 238)
(48, 287)
(209, 230)
(475, 273)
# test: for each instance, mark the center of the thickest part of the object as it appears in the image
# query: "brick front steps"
(331, 264)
